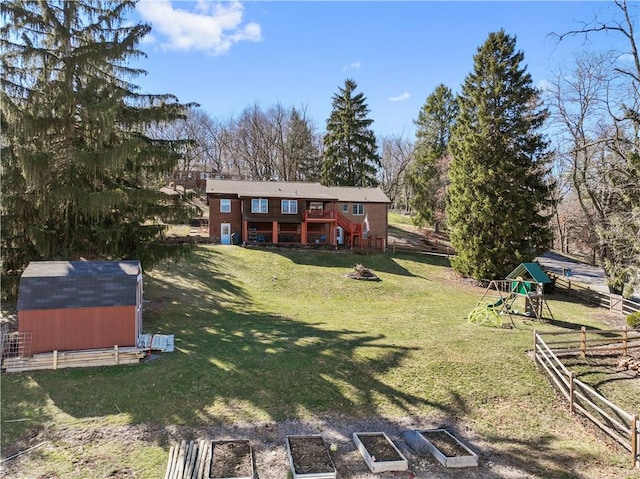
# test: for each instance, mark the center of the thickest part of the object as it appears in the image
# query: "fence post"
(583, 342)
(634, 441)
(55, 359)
(572, 376)
(535, 348)
(625, 337)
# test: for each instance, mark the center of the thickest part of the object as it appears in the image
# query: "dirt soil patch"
(267, 439)
(379, 448)
(310, 455)
(445, 444)
(231, 459)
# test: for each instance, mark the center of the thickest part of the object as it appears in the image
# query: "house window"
(358, 209)
(290, 207)
(225, 206)
(259, 205)
(345, 207)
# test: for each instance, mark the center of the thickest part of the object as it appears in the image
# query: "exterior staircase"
(354, 230)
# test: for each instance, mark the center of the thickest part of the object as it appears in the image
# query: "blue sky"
(227, 56)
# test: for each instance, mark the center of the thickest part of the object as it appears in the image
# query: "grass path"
(275, 335)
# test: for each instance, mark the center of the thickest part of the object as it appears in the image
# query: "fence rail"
(618, 424)
(613, 302)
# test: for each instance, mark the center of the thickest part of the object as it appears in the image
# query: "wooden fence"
(618, 424)
(436, 249)
(613, 302)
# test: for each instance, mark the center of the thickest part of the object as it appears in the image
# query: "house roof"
(293, 190)
(269, 189)
(529, 271)
(78, 284)
(359, 194)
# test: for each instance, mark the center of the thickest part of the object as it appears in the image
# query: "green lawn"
(279, 334)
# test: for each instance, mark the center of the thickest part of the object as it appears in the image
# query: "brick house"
(290, 213)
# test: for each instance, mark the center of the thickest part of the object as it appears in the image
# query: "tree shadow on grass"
(379, 262)
(538, 456)
(233, 360)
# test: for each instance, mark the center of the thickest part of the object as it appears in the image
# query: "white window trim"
(358, 206)
(289, 203)
(226, 201)
(260, 200)
(345, 207)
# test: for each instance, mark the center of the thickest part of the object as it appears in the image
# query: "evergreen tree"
(427, 181)
(304, 157)
(351, 157)
(498, 199)
(83, 174)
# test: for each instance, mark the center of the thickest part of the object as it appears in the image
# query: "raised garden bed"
(445, 447)
(309, 458)
(231, 460)
(379, 452)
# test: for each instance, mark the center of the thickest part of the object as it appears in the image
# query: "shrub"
(633, 320)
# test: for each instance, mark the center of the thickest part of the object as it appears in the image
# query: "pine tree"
(351, 155)
(304, 157)
(83, 170)
(433, 131)
(498, 199)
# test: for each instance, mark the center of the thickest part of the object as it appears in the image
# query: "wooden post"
(55, 359)
(535, 348)
(245, 231)
(117, 354)
(583, 342)
(167, 474)
(625, 338)
(572, 376)
(635, 461)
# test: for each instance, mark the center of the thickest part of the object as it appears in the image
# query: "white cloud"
(403, 97)
(626, 58)
(352, 66)
(544, 85)
(212, 27)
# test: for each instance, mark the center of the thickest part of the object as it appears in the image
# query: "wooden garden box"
(379, 452)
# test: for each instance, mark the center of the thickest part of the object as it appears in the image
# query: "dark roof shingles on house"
(294, 190)
(78, 284)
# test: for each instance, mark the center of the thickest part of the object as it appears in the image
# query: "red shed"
(70, 305)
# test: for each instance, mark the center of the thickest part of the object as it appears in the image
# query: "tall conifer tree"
(498, 199)
(84, 173)
(433, 131)
(351, 155)
(304, 157)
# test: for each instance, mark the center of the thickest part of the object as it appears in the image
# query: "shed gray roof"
(78, 284)
(296, 190)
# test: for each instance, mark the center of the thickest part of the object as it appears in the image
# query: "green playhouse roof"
(529, 270)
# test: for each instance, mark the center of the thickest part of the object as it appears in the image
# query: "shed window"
(225, 206)
(259, 205)
(290, 207)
